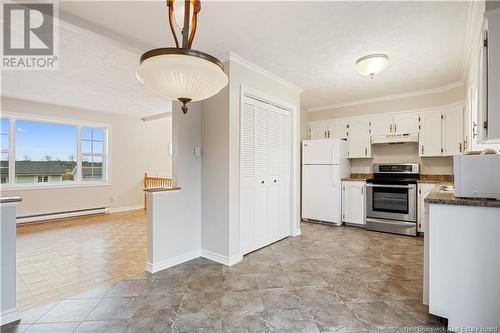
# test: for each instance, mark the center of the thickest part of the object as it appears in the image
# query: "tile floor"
(330, 279)
(61, 258)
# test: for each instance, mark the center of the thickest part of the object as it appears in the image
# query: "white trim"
(238, 59)
(475, 20)
(159, 266)
(57, 216)
(9, 316)
(224, 260)
(125, 208)
(59, 185)
(414, 93)
(296, 232)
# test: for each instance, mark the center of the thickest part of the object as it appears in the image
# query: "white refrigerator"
(324, 164)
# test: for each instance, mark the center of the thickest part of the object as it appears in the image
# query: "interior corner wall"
(136, 147)
(186, 171)
(215, 173)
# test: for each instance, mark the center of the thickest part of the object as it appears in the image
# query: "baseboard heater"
(61, 215)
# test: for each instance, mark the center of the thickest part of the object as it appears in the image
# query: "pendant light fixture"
(181, 73)
(372, 64)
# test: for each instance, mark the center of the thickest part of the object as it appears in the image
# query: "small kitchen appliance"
(391, 200)
(477, 176)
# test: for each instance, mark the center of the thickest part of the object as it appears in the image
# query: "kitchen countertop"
(435, 179)
(10, 199)
(441, 198)
(358, 177)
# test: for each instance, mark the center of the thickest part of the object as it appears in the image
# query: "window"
(45, 149)
(92, 153)
(4, 158)
(52, 152)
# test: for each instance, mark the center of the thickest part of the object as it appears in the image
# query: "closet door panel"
(274, 134)
(285, 174)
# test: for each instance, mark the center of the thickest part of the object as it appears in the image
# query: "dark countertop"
(440, 198)
(162, 189)
(350, 179)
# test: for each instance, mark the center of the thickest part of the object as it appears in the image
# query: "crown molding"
(390, 97)
(231, 56)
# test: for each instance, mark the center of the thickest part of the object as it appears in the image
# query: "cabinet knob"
(460, 147)
(395, 130)
(262, 182)
(275, 180)
(391, 128)
(422, 150)
(366, 151)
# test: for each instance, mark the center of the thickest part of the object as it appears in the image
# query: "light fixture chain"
(185, 29)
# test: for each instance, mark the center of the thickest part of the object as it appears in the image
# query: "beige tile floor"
(60, 258)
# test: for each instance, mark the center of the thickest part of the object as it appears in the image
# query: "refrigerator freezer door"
(321, 193)
(320, 151)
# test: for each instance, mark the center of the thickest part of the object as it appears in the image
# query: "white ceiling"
(94, 74)
(311, 44)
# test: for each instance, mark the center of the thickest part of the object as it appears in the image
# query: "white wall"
(136, 147)
(221, 153)
(405, 153)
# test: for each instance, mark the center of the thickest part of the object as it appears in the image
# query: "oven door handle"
(391, 186)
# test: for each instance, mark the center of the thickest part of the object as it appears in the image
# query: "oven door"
(395, 202)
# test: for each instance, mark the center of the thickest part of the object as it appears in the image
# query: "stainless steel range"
(391, 200)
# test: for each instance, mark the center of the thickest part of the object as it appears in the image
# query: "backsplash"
(403, 153)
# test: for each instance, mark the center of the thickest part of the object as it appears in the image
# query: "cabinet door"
(358, 139)
(453, 131)
(405, 124)
(423, 191)
(318, 130)
(353, 202)
(429, 139)
(338, 129)
(261, 178)
(381, 125)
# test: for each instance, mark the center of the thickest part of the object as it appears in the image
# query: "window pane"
(97, 148)
(86, 133)
(98, 134)
(4, 126)
(97, 173)
(4, 134)
(86, 159)
(97, 161)
(45, 150)
(86, 147)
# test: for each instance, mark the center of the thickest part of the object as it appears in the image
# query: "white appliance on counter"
(477, 176)
(324, 164)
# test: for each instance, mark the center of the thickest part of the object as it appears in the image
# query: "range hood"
(395, 138)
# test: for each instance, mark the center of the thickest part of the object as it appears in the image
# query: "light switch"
(197, 151)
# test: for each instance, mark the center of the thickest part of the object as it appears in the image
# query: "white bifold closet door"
(264, 174)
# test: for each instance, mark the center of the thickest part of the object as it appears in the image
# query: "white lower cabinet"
(354, 202)
(265, 150)
(423, 191)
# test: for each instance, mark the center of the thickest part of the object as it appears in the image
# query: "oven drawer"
(392, 226)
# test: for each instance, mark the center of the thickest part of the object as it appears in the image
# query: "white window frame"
(78, 182)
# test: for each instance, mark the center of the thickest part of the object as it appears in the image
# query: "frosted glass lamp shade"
(177, 73)
(372, 64)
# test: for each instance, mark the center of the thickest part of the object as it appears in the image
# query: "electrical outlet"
(197, 151)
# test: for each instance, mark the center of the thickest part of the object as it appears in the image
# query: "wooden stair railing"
(155, 182)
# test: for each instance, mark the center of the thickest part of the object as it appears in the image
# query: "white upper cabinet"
(453, 131)
(358, 139)
(429, 140)
(493, 74)
(405, 124)
(337, 129)
(318, 130)
(381, 125)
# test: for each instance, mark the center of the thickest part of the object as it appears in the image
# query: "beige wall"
(400, 153)
(395, 105)
(136, 147)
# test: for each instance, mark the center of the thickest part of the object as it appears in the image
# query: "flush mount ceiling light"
(181, 73)
(372, 64)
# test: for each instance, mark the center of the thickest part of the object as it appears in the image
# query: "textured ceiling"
(311, 44)
(94, 74)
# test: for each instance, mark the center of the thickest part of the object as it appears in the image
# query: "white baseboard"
(125, 209)
(224, 260)
(159, 266)
(9, 316)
